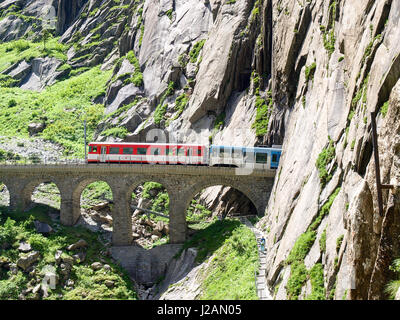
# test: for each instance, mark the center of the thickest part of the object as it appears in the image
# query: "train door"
(248, 158)
(275, 156)
(103, 154)
(190, 155)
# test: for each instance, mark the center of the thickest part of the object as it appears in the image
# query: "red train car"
(162, 153)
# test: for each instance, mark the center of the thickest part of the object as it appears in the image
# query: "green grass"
(89, 284)
(20, 107)
(160, 113)
(309, 71)
(117, 132)
(194, 53)
(301, 247)
(316, 275)
(324, 159)
(299, 273)
(19, 50)
(230, 274)
(161, 109)
(96, 192)
(393, 286)
(384, 109)
(263, 108)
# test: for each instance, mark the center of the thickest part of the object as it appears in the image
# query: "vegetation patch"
(194, 53)
(161, 108)
(18, 50)
(316, 275)
(393, 286)
(87, 284)
(233, 249)
(328, 33)
(299, 273)
(309, 71)
(384, 109)
(263, 108)
(326, 156)
(20, 107)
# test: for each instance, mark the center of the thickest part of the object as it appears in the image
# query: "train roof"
(260, 149)
(147, 143)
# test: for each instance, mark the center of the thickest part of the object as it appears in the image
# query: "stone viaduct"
(181, 182)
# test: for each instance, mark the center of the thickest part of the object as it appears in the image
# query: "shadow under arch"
(246, 191)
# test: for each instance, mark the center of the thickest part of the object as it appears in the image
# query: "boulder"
(100, 206)
(160, 226)
(34, 128)
(42, 227)
(26, 261)
(4, 262)
(107, 219)
(107, 267)
(68, 260)
(135, 235)
(57, 256)
(13, 268)
(65, 269)
(36, 289)
(79, 257)
(156, 233)
(21, 70)
(109, 283)
(78, 245)
(24, 247)
(96, 266)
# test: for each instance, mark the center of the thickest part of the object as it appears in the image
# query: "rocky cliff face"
(303, 73)
(334, 62)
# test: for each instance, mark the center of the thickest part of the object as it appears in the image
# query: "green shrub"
(318, 291)
(117, 132)
(384, 108)
(324, 159)
(298, 277)
(194, 53)
(301, 247)
(309, 71)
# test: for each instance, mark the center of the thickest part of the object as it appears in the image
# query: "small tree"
(45, 36)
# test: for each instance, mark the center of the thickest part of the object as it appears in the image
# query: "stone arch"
(28, 189)
(246, 190)
(77, 190)
(142, 180)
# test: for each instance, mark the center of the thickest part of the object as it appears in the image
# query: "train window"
(222, 152)
(114, 150)
(199, 151)
(169, 152)
(127, 151)
(236, 153)
(155, 151)
(261, 157)
(141, 151)
(181, 152)
(93, 149)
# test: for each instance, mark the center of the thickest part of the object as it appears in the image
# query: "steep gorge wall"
(334, 62)
(309, 71)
